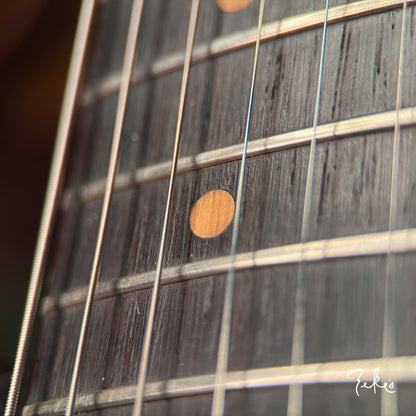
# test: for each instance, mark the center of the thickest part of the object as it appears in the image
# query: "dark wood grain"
(351, 195)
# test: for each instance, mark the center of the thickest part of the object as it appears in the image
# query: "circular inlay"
(232, 6)
(212, 214)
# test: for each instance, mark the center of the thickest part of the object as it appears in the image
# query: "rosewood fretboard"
(350, 263)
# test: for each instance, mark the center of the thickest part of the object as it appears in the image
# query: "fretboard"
(318, 292)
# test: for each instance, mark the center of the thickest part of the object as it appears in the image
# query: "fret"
(398, 369)
(324, 132)
(349, 239)
(402, 241)
(228, 43)
(271, 97)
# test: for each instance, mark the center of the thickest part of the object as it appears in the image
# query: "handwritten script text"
(375, 384)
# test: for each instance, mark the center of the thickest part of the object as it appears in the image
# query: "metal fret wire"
(225, 331)
(118, 125)
(324, 132)
(51, 204)
(144, 359)
(401, 369)
(389, 401)
(227, 43)
(372, 244)
(397, 108)
(295, 398)
(397, 135)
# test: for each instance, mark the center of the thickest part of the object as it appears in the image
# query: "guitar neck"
(312, 251)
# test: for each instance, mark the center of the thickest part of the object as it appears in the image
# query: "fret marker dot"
(212, 214)
(232, 6)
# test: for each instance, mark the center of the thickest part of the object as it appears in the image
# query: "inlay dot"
(212, 214)
(232, 6)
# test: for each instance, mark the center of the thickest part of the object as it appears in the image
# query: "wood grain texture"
(351, 195)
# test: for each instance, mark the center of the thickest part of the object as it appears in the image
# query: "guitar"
(279, 236)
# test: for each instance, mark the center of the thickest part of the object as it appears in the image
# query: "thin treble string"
(389, 401)
(144, 359)
(133, 31)
(49, 209)
(294, 407)
(225, 332)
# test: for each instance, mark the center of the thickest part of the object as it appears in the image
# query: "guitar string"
(218, 401)
(183, 388)
(144, 359)
(389, 405)
(328, 373)
(397, 127)
(332, 131)
(227, 43)
(51, 202)
(357, 245)
(134, 24)
(295, 395)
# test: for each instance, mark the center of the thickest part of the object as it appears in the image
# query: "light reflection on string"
(388, 401)
(295, 398)
(133, 31)
(144, 359)
(225, 332)
(51, 201)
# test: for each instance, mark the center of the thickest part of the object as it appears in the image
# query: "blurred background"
(35, 45)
